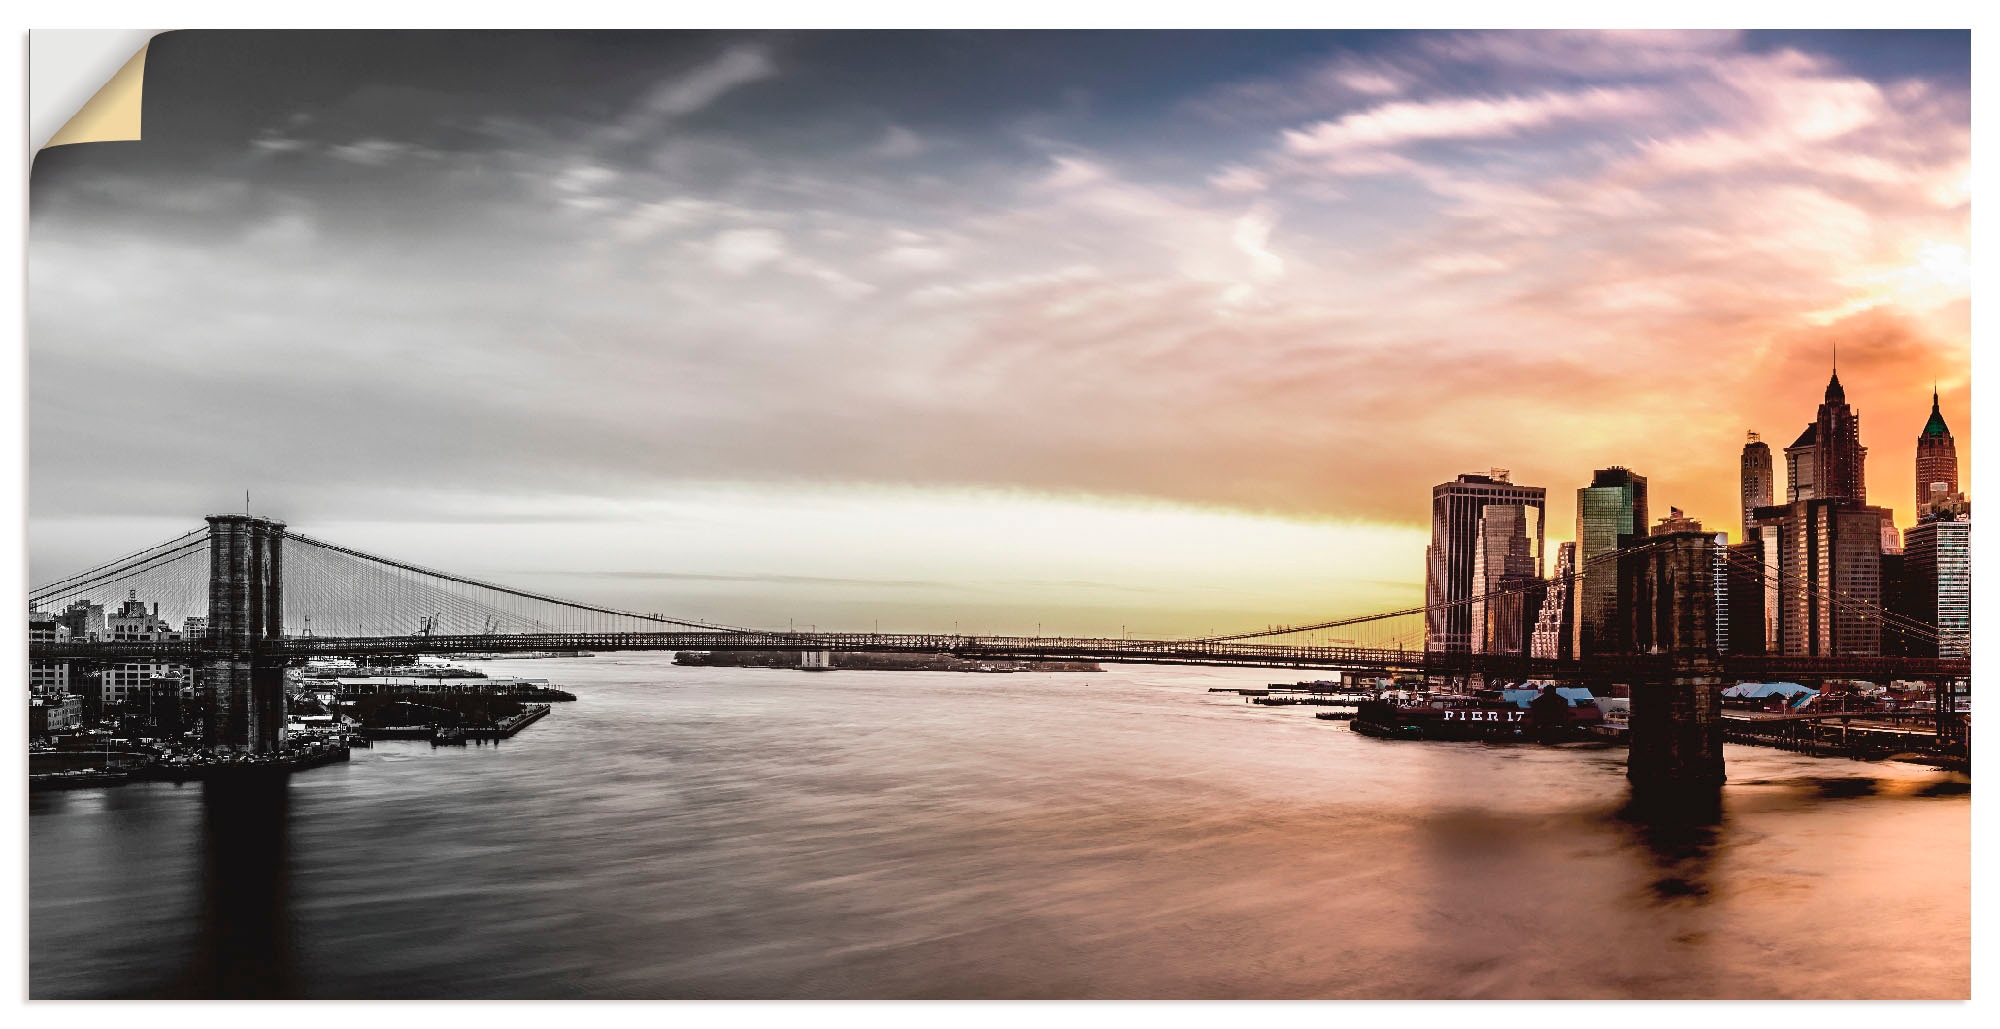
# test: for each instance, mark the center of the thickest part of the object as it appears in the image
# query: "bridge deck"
(1185, 652)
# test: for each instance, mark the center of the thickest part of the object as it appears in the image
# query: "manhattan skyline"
(993, 328)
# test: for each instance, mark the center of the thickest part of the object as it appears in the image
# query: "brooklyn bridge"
(272, 597)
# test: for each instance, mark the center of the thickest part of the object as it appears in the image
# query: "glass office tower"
(1613, 505)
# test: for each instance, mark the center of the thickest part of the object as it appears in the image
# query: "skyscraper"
(1840, 471)
(1937, 462)
(1613, 505)
(1744, 582)
(1801, 464)
(1758, 480)
(1822, 551)
(1553, 630)
(1456, 509)
(1827, 577)
(1937, 583)
(1502, 562)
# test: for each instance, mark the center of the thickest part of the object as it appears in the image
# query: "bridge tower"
(1667, 609)
(241, 674)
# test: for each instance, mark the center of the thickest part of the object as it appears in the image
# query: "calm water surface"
(701, 832)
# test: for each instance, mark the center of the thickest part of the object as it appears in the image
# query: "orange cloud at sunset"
(1304, 282)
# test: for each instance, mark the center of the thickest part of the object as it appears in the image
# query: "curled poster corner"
(66, 63)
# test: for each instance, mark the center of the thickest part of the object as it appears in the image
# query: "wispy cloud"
(1389, 264)
(689, 92)
(1402, 122)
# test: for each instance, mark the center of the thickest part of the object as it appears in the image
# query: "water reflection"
(1681, 831)
(243, 947)
(685, 832)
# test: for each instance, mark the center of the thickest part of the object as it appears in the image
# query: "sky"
(1158, 332)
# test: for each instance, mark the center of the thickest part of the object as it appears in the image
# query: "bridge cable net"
(331, 590)
(1801, 587)
(173, 575)
(1387, 630)
(1356, 626)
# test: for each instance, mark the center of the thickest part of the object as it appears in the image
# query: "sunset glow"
(1081, 331)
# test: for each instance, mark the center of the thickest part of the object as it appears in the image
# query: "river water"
(717, 832)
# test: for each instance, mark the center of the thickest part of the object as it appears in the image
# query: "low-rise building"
(52, 714)
(135, 622)
(47, 679)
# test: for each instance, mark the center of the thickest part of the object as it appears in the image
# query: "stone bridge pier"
(241, 674)
(1666, 603)
(1676, 742)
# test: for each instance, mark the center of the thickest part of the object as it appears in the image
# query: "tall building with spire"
(1827, 461)
(1822, 551)
(1840, 470)
(1758, 480)
(1937, 462)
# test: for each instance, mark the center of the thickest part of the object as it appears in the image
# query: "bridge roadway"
(1181, 652)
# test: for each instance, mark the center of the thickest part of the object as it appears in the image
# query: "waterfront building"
(1822, 552)
(1676, 521)
(1718, 577)
(1553, 625)
(1502, 563)
(1937, 462)
(1757, 479)
(1937, 584)
(1747, 626)
(56, 713)
(83, 619)
(1613, 505)
(1774, 608)
(1456, 510)
(1824, 564)
(1894, 578)
(134, 621)
(48, 679)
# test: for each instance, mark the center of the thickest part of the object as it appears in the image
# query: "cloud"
(1505, 261)
(916, 258)
(1239, 179)
(1393, 124)
(375, 153)
(1073, 172)
(685, 94)
(741, 251)
(898, 143)
(1252, 236)
(1371, 83)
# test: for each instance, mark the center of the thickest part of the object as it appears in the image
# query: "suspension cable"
(508, 590)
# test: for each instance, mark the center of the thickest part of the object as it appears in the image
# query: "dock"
(1861, 735)
(504, 729)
